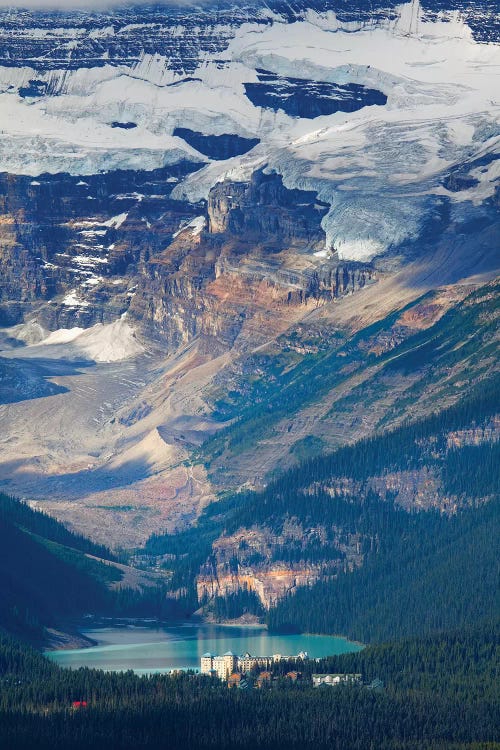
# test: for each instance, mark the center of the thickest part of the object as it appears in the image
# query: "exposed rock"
(249, 275)
(216, 147)
(76, 244)
(269, 585)
(488, 433)
(265, 209)
(256, 559)
(78, 252)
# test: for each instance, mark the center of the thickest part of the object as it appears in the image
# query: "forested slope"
(399, 531)
(438, 573)
(45, 574)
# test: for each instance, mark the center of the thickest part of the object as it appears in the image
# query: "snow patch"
(196, 226)
(73, 300)
(116, 221)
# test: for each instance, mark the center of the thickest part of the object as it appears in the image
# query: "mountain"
(239, 242)
(50, 576)
(35, 552)
(395, 535)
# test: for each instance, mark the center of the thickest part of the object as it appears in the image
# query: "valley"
(227, 255)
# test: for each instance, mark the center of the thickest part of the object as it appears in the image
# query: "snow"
(377, 167)
(102, 33)
(196, 226)
(381, 169)
(73, 300)
(116, 221)
(88, 260)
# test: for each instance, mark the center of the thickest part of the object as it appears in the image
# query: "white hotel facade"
(224, 666)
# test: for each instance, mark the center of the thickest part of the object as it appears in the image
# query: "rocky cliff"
(92, 249)
(273, 562)
(244, 270)
(70, 248)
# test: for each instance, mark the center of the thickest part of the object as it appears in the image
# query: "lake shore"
(69, 636)
(149, 647)
(66, 639)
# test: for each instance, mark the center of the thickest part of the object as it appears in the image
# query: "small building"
(334, 680)
(230, 663)
(294, 676)
(301, 656)
(263, 679)
(234, 679)
(206, 663)
(79, 704)
(221, 666)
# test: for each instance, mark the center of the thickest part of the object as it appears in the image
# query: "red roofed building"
(263, 678)
(79, 704)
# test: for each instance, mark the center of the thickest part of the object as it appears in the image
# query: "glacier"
(383, 169)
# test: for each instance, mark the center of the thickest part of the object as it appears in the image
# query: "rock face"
(265, 210)
(75, 252)
(185, 36)
(117, 37)
(218, 147)
(271, 561)
(270, 584)
(299, 97)
(253, 263)
(76, 244)
(213, 282)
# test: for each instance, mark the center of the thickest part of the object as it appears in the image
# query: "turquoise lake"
(160, 648)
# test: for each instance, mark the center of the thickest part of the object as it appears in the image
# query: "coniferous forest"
(423, 693)
(36, 550)
(422, 571)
